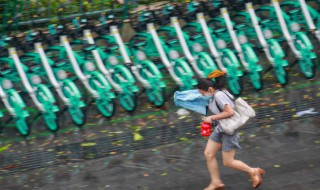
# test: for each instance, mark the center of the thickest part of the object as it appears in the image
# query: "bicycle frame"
(271, 46)
(298, 41)
(109, 65)
(225, 57)
(65, 88)
(12, 99)
(200, 61)
(177, 67)
(309, 16)
(245, 51)
(39, 93)
(144, 70)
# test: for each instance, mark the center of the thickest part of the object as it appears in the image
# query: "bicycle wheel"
(128, 101)
(156, 97)
(22, 126)
(106, 107)
(51, 121)
(77, 115)
(307, 67)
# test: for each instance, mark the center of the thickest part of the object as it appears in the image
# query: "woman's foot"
(215, 187)
(260, 171)
(256, 177)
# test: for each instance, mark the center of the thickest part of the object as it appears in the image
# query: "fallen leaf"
(137, 136)
(88, 144)
(10, 167)
(184, 139)
(182, 117)
(91, 135)
(5, 147)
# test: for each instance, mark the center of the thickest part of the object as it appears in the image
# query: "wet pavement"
(289, 152)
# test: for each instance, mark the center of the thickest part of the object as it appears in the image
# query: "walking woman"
(221, 106)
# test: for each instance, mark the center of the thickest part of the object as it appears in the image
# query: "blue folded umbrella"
(191, 100)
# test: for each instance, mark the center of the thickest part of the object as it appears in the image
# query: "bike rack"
(234, 37)
(185, 48)
(284, 28)
(163, 55)
(53, 80)
(259, 32)
(114, 31)
(24, 78)
(81, 76)
(212, 47)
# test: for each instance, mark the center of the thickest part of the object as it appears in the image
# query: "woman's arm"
(227, 112)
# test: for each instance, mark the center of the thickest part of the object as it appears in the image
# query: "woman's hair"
(205, 83)
(216, 80)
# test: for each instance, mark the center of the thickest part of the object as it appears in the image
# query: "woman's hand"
(208, 119)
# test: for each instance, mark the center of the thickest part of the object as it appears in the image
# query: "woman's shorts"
(229, 142)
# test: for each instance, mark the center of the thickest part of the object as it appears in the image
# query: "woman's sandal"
(256, 177)
(260, 171)
(215, 187)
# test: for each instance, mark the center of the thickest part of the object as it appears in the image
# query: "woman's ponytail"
(220, 82)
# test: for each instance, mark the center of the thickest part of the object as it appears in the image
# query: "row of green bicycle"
(108, 68)
(233, 42)
(61, 67)
(39, 67)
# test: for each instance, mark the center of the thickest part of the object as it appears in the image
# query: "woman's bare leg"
(254, 173)
(210, 153)
(229, 161)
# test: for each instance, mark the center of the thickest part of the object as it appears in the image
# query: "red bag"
(206, 129)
